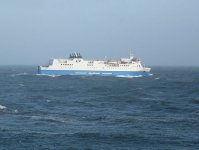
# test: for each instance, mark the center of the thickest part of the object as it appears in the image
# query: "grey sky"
(161, 32)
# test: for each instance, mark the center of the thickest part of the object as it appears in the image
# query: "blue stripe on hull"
(102, 73)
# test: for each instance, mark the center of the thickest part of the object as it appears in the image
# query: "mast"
(131, 54)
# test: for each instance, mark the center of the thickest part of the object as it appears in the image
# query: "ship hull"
(89, 72)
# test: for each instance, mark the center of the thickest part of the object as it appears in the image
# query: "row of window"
(67, 67)
(66, 64)
(125, 65)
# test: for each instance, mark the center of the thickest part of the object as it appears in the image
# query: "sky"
(160, 32)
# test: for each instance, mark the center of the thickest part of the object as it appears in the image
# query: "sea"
(159, 112)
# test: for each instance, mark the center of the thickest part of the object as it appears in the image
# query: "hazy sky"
(160, 32)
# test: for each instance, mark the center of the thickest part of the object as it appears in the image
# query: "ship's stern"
(39, 69)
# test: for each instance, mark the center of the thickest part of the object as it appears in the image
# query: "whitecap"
(2, 107)
(48, 101)
(21, 85)
(55, 119)
(16, 111)
(36, 117)
(157, 78)
(19, 74)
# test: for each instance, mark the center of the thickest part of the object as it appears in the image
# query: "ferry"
(76, 65)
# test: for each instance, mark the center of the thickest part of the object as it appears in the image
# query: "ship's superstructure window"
(90, 63)
(78, 61)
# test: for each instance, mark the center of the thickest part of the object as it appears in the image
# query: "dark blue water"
(91, 112)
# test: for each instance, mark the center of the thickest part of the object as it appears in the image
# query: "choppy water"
(92, 112)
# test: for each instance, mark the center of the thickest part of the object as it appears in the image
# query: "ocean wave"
(2, 107)
(47, 75)
(48, 118)
(21, 85)
(157, 78)
(16, 111)
(19, 74)
(128, 76)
